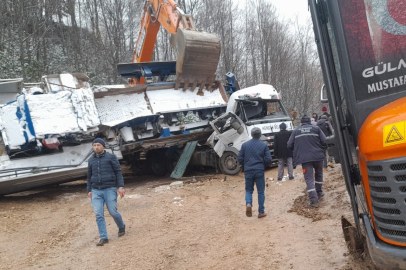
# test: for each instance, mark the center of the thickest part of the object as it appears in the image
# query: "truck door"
(231, 132)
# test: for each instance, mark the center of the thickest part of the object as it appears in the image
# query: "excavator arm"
(197, 52)
(156, 13)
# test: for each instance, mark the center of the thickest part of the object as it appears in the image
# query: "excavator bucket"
(198, 55)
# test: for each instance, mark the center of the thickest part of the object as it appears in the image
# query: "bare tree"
(40, 37)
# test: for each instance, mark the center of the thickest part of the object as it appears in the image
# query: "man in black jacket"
(328, 130)
(307, 143)
(325, 112)
(282, 152)
(325, 126)
(103, 178)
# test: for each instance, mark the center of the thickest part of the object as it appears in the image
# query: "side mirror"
(322, 99)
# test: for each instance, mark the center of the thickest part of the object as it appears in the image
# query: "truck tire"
(228, 163)
(158, 168)
(157, 162)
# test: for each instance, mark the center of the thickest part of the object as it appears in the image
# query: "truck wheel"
(158, 167)
(229, 163)
(140, 168)
(157, 162)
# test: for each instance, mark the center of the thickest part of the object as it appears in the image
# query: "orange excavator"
(362, 45)
(197, 52)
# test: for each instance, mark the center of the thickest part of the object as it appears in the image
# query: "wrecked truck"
(258, 106)
(46, 133)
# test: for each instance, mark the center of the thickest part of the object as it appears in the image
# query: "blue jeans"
(259, 180)
(330, 159)
(108, 196)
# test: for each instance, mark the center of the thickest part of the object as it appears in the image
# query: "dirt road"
(199, 226)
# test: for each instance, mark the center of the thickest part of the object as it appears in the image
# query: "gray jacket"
(326, 127)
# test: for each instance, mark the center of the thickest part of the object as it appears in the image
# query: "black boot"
(102, 242)
(320, 194)
(121, 231)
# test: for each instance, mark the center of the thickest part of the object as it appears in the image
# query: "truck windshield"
(261, 110)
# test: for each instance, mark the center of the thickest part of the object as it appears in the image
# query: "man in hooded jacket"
(328, 130)
(307, 143)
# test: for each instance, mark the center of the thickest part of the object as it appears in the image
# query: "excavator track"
(198, 55)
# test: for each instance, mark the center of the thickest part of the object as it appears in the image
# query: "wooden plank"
(184, 160)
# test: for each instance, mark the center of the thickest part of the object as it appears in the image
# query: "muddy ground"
(201, 225)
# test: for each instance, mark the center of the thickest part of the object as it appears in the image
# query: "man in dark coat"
(282, 152)
(255, 157)
(328, 130)
(104, 180)
(324, 112)
(325, 126)
(307, 143)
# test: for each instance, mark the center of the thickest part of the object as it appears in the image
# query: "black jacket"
(104, 171)
(325, 113)
(326, 127)
(281, 144)
(307, 143)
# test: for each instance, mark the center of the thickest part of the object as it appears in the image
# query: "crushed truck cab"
(257, 106)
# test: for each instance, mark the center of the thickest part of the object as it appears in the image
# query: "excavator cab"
(362, 45)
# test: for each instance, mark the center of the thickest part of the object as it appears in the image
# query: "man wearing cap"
(324, 110)
(104, 180)
(254, 156)
(282, 152)
(307, 143)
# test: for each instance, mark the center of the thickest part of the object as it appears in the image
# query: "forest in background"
(39, 37)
